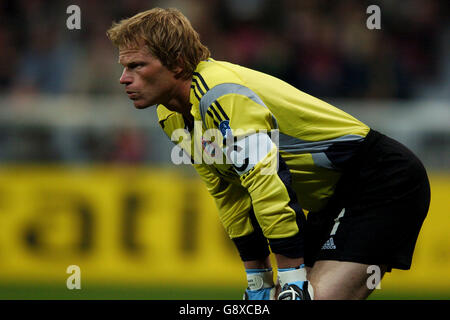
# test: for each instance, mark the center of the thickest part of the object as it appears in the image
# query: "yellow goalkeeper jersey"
(312, 137)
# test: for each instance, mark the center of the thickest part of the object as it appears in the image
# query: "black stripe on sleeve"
(198, 87)
(195, 92)
(215, 112)
(221, 110)
(202, 80)
(212, 117)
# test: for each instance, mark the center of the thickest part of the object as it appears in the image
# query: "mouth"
(132, 95)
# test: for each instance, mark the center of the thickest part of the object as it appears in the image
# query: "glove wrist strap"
(291, 275)
(259, 278)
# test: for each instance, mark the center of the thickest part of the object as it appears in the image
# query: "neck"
(180, 99)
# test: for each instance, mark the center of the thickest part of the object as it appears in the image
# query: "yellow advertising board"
(152, 226)
(430, 269)
(118, 225)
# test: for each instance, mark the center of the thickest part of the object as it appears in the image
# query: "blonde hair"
(167, 34)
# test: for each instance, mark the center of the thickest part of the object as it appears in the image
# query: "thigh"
(341, 280)
(378, 215)
(375, 236)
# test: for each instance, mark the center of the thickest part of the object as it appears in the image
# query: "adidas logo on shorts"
(329, 245)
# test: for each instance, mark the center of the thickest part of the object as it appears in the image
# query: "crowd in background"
(322, 47)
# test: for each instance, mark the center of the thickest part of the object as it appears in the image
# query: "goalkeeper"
(270, 153)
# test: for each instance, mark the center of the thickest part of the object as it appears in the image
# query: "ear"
(179, 68)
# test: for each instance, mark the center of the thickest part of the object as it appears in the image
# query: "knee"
(324, 290)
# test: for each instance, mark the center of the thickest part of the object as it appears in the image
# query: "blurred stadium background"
(85, 179)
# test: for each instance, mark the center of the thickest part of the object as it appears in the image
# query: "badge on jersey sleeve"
(224, 127)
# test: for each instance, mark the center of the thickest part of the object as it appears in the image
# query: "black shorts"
(377, 210)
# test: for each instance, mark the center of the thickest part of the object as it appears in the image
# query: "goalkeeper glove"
(294, 285)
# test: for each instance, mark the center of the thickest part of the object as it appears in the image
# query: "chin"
(141, 105)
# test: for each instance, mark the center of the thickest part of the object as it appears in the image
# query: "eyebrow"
(133, 63)
(126, 61)
(123, 62)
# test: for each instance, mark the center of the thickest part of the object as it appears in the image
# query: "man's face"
(147, 82)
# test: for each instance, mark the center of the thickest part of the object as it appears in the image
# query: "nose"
(125, 78)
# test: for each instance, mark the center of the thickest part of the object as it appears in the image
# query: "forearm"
(276, 208)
